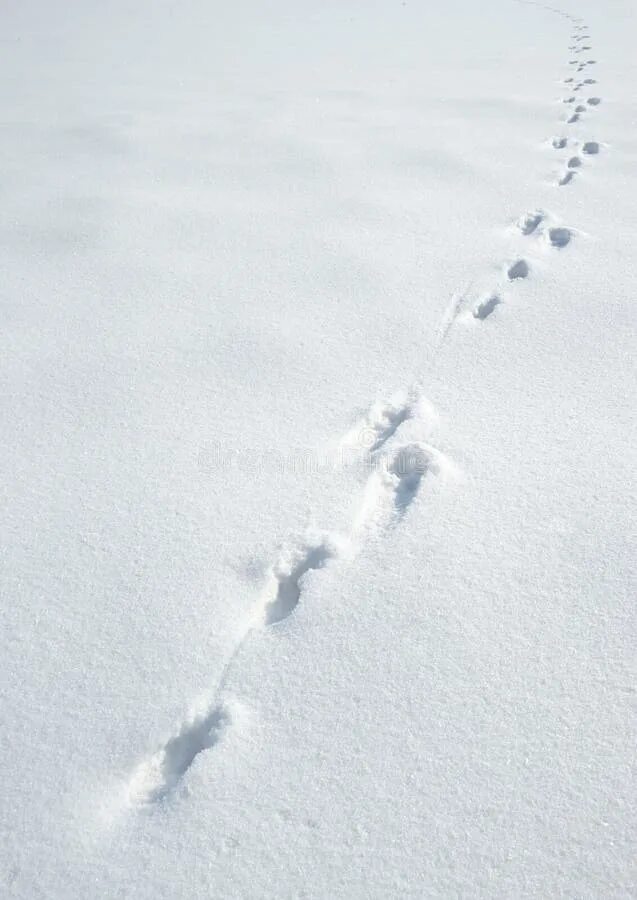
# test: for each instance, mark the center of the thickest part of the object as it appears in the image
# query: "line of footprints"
(391, 446)
(578, 103)
(539, 224)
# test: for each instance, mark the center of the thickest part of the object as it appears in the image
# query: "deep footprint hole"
(559, 237)
(486, 306)
(288, 591)
(530, 221)
(519, 269)
(408, 466)
(567, 177)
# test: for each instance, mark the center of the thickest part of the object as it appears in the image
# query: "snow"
(318, 449)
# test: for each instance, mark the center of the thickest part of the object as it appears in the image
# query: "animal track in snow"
(581, 45)
(396, 480)
(483, 309)
(518, 269)
(406, 470)
(567, 177)
(157, 776)
(389, 491)
(559, 237)
(529, 222)
(284, 591)
(381, 423)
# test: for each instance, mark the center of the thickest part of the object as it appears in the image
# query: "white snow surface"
(318, 449)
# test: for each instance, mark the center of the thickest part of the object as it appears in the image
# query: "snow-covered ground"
(318, 360)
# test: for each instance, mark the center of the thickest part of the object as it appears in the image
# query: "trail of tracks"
(398, 463)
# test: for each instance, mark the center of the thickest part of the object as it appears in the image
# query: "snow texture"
(318, 448)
